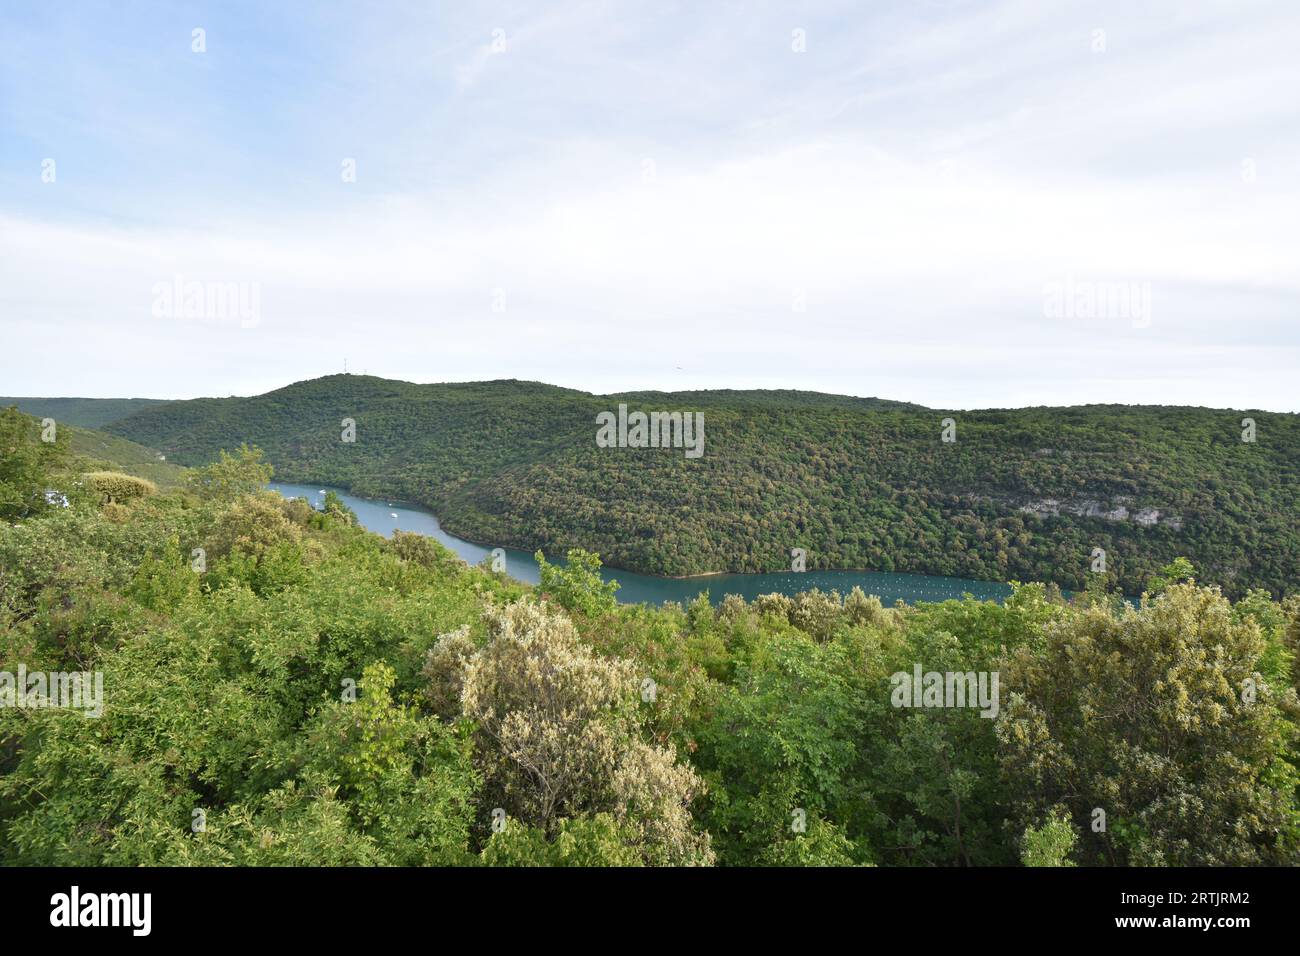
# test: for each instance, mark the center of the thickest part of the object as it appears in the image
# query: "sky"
(961, 204)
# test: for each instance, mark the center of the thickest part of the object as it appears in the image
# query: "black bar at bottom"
(297, 905)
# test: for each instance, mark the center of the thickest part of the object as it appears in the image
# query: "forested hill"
(1023, 494)
(226, 629)
(84, 412)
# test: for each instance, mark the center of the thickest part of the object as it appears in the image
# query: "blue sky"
(871, 199)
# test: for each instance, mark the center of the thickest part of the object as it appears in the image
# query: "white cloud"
(918, 203)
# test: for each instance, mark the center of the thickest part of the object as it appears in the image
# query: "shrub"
(816, 613)
(578, 587)
(253, 526)
(1162, 718)
(733, 608)
(231, 476)
(777, 604)
(1049, 844)
(559, 735)
(115, 487)
(444, 670)
(417, 549)
(865, 610)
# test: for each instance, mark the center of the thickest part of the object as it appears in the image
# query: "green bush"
(113, 487)
(322, 696)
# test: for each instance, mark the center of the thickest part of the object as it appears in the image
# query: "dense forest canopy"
(83, 412)
(280, 686)
(1020, 494)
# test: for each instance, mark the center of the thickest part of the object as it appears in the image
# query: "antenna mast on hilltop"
(345, 366)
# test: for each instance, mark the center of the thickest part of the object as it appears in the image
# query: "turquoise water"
(386, 517)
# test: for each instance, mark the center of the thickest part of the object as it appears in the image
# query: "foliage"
(115, 487)
(25, 462)
(559, 732)
(1176, 571)
(1160, 718)
(334, 507)
(1023, 494)
(99, 451)
(578, 585)
(580, 841)
(316, 695)
(254, 525)
(1049, 844)
(83, 412)
(231, 476)
(822, 844)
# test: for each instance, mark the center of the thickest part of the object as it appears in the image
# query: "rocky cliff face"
(1120, 509)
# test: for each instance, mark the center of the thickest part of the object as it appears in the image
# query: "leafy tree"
(253, 525)
(115, 487)
(334, 507)
(822, 844)
(579, 841)
(1049, 844)
(231, 476)
(578, 586)
(25, 463)
(785, 736)
(1178, 571)
(166, 580)
(1160, 718)
(559, 733)
(817, 613)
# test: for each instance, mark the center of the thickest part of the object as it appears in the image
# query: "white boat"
(392, 514)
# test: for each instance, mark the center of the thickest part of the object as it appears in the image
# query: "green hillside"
(84, 412)
(1024, 494)
(101, 450)
(315, 694)
(84, 449)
